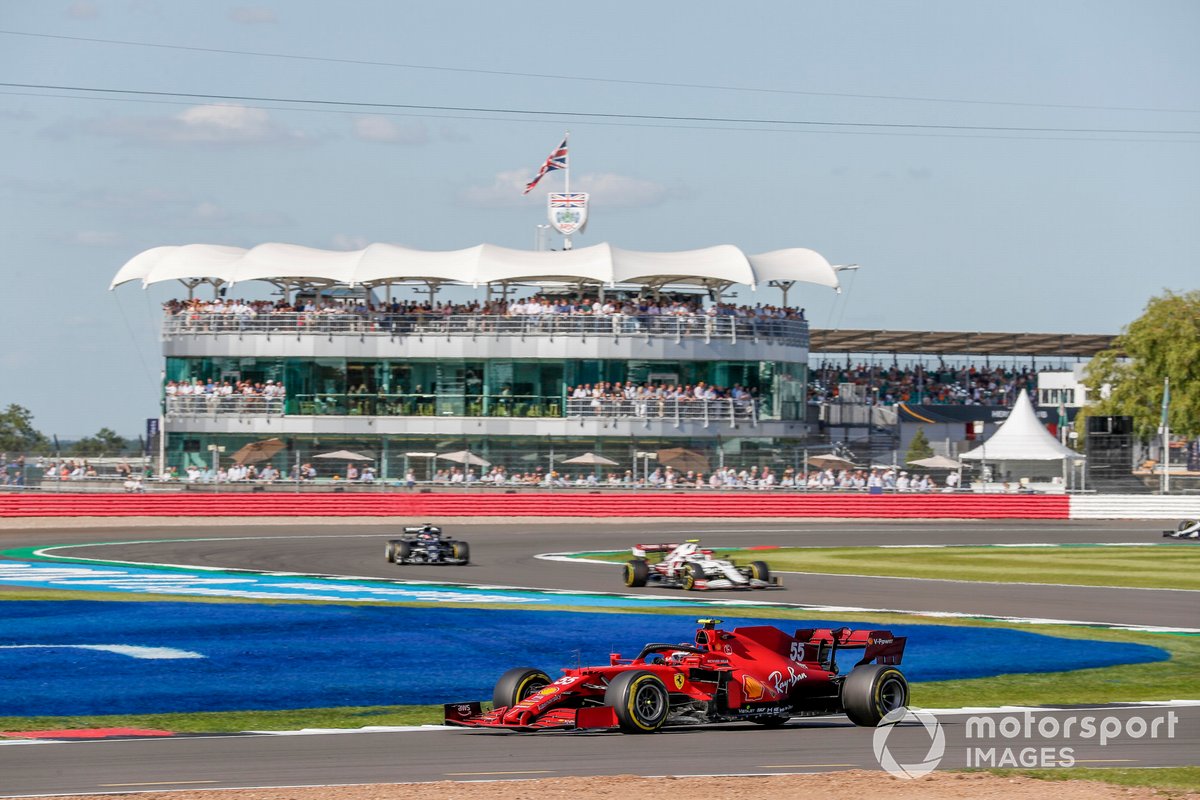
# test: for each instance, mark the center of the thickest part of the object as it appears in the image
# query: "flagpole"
(1166, 434)
(567, 180)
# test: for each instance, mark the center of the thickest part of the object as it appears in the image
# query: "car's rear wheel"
(760, 571)
(637, 572)
(517, 684)
(1187, 523)
(691, 574)
(873, 691)
(640, 700)
(390, 551)
(461, 552)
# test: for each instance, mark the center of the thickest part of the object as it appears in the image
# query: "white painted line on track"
(986, 583)
(1116, 706)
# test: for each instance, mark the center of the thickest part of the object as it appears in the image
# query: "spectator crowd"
(534, 306)
(198, 387)
(932, 385)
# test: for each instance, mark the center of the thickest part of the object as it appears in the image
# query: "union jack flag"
(557, 160)
(572, 200)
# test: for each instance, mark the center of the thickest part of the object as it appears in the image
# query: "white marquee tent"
(600, 264)
(1022, 447)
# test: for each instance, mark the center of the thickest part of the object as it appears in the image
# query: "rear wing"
(422, 529)
(640, 550)
(882, 647)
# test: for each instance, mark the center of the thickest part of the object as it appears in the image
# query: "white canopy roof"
(482, 264)
(1021, 437)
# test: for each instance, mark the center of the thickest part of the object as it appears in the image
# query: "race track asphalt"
(504, 555)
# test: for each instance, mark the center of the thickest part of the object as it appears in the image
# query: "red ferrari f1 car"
(759, 674)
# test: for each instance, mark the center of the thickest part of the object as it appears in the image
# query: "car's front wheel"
(461, 552)
(760, 571)
(693, 573)
(637, 572)
(517, 684)
(640, 700)
(873, 691)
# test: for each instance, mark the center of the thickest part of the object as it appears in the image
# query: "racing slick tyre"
(517, 684)
(461, 551)
(1187, 523)
(640, 700)
(872, 691)
(402, 553)
(637, 572)
(693, 573)
(760, 571)
(390, 552)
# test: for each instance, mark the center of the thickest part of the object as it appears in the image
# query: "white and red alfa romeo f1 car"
(688, 566)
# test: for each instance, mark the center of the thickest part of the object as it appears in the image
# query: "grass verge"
(233, 721)
(1173, 781)
(1167, 566)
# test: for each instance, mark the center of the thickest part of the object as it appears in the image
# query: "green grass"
(233, 721)
(1173, 781)
(1157, 567)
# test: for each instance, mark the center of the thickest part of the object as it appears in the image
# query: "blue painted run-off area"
(249, 585)
(280, 657)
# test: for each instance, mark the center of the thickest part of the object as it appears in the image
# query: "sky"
(1017, 166)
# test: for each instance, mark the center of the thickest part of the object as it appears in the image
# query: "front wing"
(723, 584)
(470, 715)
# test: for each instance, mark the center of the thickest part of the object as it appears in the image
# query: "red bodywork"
(747, 673)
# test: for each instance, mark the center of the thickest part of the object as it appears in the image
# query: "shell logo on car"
(752, 688)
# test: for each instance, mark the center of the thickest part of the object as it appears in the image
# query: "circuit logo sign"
(888, 761)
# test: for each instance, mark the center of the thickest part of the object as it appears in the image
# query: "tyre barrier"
(539, 504)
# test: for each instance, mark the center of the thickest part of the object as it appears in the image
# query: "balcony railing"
(705, 411)
(214, 405)
(790, 332)
(459, 405)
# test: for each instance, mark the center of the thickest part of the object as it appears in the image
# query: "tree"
(105, 442)
(919, 447)
(1163, 342)
(17, 434)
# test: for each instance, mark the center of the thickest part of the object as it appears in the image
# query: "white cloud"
(253, 16)
(618, 191)
(382, 129)
(207, 213)
(607, 191)
(346, 241)
(95, 239)
(505, 191)
(217, 124)
(83, 9)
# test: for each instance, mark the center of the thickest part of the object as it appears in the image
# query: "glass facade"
(494, 387)
(393, 456)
